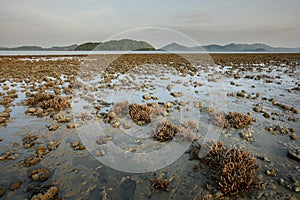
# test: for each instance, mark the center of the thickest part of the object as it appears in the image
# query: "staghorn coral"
(165, 132)
(48, 100)
(236, 168)
(142, 114)
(232, 119)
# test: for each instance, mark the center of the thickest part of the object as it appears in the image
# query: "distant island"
(257, 47)
(133, 45)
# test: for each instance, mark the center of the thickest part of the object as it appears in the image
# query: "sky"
(65, 22)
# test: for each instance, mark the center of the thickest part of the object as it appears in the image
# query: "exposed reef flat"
(251, 100)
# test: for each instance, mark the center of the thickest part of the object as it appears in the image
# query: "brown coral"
(166, 132)
(236, 168)
(48, 100)
(232, 119)
(159, 184)
(46, 192)
(142, 114)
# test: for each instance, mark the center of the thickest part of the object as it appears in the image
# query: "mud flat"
(250, 100)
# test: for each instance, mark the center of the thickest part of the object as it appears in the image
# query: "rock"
(9, 156)
(176, 94)
(266, 115)
(53, 128)
(62, 118)
(115, 124)
(169, 105)
(146, 97)
(4, 114)
(39, 112)
(100, 152)
(76, 145)
(50, 194)
(271, 172)
(247, 135)
(81, 147)
(2, 191)
(28, 141)
(75, 125)
(292, 130)
(41, 174)
(292, 179)
(103, 140)
(264, 158)
(241, 93)
(281, 181)
(257, 109)
(294, 110)
(169, 87)
(3, 120)
(1, 139)
(15, 185)
(294, 154)
(32, 160)
(41, 150)
(296, 188)
(293, 136)
(53, 145)
(111, 115)
(5, 87)
(31, 110)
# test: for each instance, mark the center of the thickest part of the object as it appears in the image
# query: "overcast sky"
(65, 22)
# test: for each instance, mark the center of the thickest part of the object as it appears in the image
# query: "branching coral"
(140, 113)
(236, 168)
(232, 119)
(165, 132)
(48, 100)
(143, 114)
(159, 184)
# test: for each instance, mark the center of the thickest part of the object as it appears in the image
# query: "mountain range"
(133, 45)
(257, 47)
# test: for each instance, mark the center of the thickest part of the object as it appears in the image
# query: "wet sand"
(265, 86)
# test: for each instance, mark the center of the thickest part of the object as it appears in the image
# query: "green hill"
(116, 45)
(87, 46)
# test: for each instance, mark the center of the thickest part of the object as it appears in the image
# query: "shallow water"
(82, 175)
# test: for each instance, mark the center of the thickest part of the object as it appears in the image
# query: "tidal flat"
(50, 106)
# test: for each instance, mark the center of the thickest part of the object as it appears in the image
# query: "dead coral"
(165, 132)
(48, 100)
(232, 119)
(236, 169)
